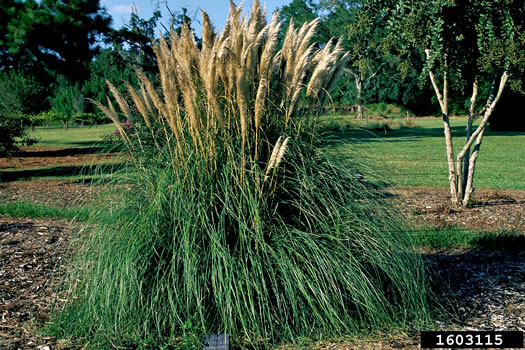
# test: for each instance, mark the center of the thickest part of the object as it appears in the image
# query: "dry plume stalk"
(237, 89)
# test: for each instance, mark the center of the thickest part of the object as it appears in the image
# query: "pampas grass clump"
(234, 220)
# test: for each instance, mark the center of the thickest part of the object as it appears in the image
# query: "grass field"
(410, 156)
(73, 137)
(416, 156)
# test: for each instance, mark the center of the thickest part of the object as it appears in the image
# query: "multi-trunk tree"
(470, 46)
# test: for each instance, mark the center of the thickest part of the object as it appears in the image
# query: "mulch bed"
(60, 194)
(484, 289)
(38, 157)
(492, 211)
(31, 253)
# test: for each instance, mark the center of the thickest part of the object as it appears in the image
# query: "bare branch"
(370, 77)
(492, 100)
(434, 84)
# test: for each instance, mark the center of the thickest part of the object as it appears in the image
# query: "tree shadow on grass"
(65, 152)
(513, 243)
(60, 171)
(404, 134)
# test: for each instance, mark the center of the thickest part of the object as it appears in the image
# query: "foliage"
(135, 39)
(471, 38)
(299, 12)
(13, 133)
(89, 118)
(20, 93)
(68, 100)
(47, 117)
(44, 39)
(233, 220)
(51, 36)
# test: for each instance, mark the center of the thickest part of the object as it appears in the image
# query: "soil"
(484, 289)
(491, 211)
(31, 253)
(38, 157)
(60, 194)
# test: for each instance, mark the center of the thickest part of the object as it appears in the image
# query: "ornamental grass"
(234, 219)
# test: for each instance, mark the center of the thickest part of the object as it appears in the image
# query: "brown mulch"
(492, 211)
(60, 194)
(483, 288)
(31, 252)
(41, 157)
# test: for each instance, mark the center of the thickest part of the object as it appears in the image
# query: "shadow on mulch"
(484, 288)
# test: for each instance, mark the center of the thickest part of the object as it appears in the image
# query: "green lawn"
(409, 156)
(73, 137)
(416, 156)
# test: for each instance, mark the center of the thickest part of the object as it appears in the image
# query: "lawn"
(416, 156)
(407, 156)
(62, 155)
(73, 137)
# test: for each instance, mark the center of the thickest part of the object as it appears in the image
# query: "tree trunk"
(443, 103)
(463, 166)
(359, 88)
(450, 158)
(492, 100)
(469, 188)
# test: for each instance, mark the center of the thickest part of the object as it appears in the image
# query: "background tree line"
(55, 54)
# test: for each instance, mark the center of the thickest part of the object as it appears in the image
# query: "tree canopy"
(471, 48)
(51, 36)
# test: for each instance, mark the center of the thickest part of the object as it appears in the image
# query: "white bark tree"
(464, 42)
(362, 81)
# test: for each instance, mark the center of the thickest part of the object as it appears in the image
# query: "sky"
(120, 10)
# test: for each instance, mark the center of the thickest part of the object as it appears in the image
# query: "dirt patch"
(492, 210)
(31, 253)
(34, 158)
(56, 193)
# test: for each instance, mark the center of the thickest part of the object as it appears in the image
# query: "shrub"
(235, 221)
(385, 110)
(68, 100)
(13, 133)
(89, 118)
(20, 94)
